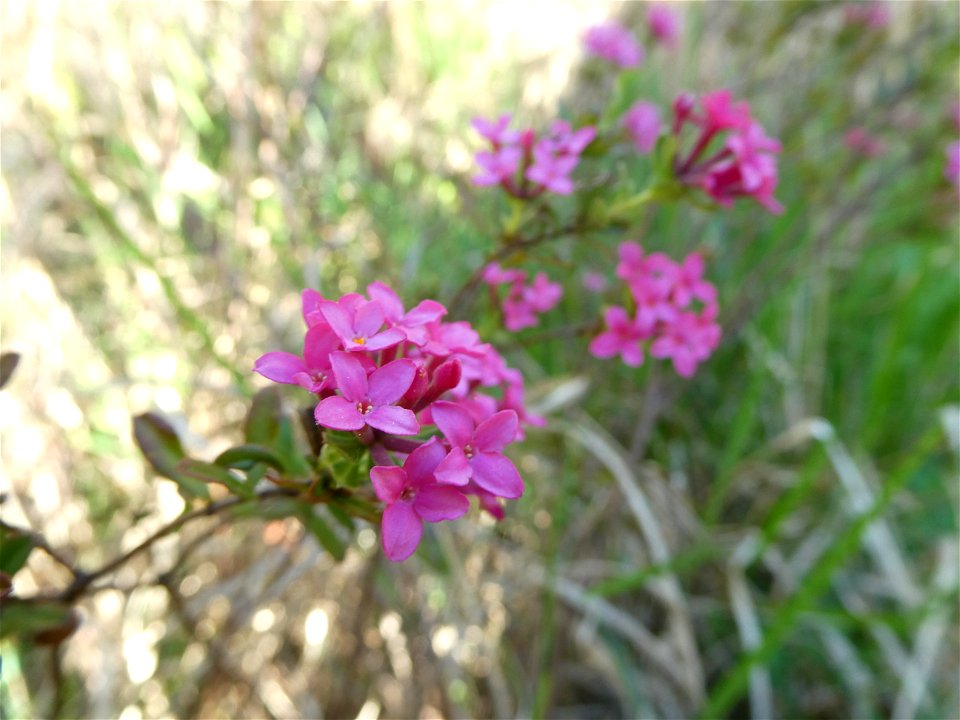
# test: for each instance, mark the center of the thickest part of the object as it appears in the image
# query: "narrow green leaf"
(263, 419)
(23, 619)
(322, 532)
(160, 445)
(210, 473)
(15, 548)
(245, 457)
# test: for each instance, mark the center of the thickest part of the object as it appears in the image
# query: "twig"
(41, 542)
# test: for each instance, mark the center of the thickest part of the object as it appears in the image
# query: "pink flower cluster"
(523, 302)
(675, 312)
(952, 169)
(642, 123)
(383, 373)
(731, 155)
(613, 42)
(665, 24)
(525, 165)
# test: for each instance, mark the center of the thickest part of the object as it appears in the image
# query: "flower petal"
(385, 339)
(388, 482)
(440, 502)
(426, 311)
(389, 383)
(454, 468)
(421, 464)
(318, 343)
(496, 431)
(394, 420)
(454, 422)
(350, 375)
(401, 531)
(338, 414)
(368, 319)
(339, 320)
(496, 474)
(311, 300)
(281, 367)
(389, 301)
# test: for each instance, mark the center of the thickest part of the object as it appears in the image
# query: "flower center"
(364, 407)
(360, 340)
(468, 451)
(408, 494)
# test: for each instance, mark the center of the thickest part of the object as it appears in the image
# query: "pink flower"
(665, 24)
(498, 166)
(412, 496)
(476, 450)
(358, 325)
(746, 163)
(556, 155)
(624, 336)
(497, 132)
(594, 282)
(687, 340)
(542, 295)
(493, 274)
(952, 169)
(369, 401)
(642, 122)
(312, 371)
(615, 43)
(689, 283)
(412, 323)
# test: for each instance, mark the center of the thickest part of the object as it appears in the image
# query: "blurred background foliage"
(776, 536)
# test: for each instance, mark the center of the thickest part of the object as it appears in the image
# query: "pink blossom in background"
(665, 24)
(874, 15)
(952, 169)
(412, 495)
(525, 165)
(642, 123)
(594, 282)
(863, 143)
(615, 43)
(624, 337)
(731, 155)
(523, 303)
(674, 316)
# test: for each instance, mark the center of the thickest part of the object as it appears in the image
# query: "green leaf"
(15, 548)
(263, 420)
(8, 363)
(160, 445)
(32, 620)
(322, 532)
(286, 447)
(210, 473)
(245, 457)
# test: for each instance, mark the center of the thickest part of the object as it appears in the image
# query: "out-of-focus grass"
(779, 539)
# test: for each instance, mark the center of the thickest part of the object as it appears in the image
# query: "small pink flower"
(497, 166)
(542, 295)
(665, 24)
(412, 496)
(369, 401)
(615, 43)
(358, 325)
(687, 340)
(642, 123)
(689, 283)
(594, 282)
(312, 371)
(497, 132)
(624, 337)
(952, 170)
(874, 15)
(476, 450)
